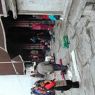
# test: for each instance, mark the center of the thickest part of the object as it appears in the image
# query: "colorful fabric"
(50, 85)
(39, 26)
(51, 17)
(39, 92)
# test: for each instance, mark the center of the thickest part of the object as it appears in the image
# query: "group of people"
(48, 87)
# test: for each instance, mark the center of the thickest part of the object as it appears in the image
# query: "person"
(57, 85)
(46, 67)
(69, 84)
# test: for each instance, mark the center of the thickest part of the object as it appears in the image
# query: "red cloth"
(39, 26)
(60, 61)
(44, 17)
(50, 85)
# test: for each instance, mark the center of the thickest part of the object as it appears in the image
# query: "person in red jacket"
(57, 85)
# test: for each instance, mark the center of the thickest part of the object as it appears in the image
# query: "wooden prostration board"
(5, 68)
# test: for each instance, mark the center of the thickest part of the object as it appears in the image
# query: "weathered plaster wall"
(81, 32)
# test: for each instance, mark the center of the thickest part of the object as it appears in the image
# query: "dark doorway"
(25, 40)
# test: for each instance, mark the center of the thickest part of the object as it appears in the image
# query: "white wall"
(16, 84)
(37, 6)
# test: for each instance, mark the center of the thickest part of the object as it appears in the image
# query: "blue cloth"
(37, 92)
(51, 17)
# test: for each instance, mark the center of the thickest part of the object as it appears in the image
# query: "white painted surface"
(16, 84)
(30, 6)
(4, 8)
(75, 66)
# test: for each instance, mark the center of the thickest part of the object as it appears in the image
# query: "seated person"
(49, 85)
(45, 68)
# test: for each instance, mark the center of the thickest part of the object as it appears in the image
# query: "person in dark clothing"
(69, 85)
(48, 87)
(56, 85)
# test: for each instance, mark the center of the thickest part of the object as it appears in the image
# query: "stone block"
(84, 47)
(90, 14)
(76, 10)
(76, 91)
(92, 68)
(81, 24)
(91, 32)
(87, 81)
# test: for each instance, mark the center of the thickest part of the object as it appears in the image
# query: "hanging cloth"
(51, 17)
